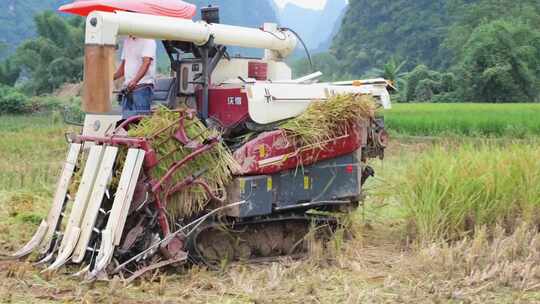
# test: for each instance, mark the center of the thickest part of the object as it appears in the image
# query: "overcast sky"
(314, 4)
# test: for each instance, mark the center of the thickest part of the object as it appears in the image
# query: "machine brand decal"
(232, 100)
(195, 68)
(269, 185)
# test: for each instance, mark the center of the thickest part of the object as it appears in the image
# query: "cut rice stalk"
(324, 120)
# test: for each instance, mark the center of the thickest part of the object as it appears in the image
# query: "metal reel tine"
(45, 260)
(81, 272)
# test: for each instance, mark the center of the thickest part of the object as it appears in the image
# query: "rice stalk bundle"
(324, 120)
(218, 162)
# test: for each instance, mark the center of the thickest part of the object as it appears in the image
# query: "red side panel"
(170, 8)
(271, 152)
(228, 106)
(258, 70)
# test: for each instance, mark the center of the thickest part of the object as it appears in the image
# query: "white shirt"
(133, 52)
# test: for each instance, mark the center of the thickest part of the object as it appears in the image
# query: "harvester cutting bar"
(73, 229)
(95, 226)
(111, 236)
(96, 198)
(161, 186)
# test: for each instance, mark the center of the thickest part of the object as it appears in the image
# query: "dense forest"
(442, 50)
(433, 51)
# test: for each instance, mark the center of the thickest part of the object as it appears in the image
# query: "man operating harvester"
(138, 67)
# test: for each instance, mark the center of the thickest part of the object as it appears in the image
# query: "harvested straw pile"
(324, 120)
(218, 161)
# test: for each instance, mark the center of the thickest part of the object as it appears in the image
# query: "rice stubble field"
(446, 221)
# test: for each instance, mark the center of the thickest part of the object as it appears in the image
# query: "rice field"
(454, 221)
(449, 192)
(465, 119)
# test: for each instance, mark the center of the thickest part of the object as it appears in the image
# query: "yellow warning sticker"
(269, 185)
(242, 186)
(307, 182)
(262, 151)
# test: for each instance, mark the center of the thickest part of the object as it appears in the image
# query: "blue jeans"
(138, 102)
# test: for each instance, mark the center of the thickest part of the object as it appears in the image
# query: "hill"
(245, 13)
(440, 51)
(316, 27)
(430, 32)
(373, 30)
(16, 19)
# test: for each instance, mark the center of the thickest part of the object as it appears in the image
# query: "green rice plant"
(32, 149)
(468, 119)
(448, 192)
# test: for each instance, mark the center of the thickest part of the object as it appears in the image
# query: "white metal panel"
(269, 103)
(228, 71)
(124, 194)
(94, 204)
(279, 71)
(132, 177)
(100, 125)
(60, 195)
(73, 228)
(272, 102)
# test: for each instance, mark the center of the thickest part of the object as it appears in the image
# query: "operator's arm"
(120, 71)
(147, 61)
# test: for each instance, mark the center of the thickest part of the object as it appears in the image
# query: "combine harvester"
(267, 207)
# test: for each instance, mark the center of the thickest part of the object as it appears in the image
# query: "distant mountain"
(316, 27)
(17, 19)
(373, 31)
(251, 13)
(326, 44)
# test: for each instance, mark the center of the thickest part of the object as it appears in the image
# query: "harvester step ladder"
(94, 204)
(110, 237)
(47, 229)
(73, 228)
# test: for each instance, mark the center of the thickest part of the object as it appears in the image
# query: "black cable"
(303, 44)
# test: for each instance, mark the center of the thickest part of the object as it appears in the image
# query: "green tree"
(469, 15)
(3, 49)
(9, 71)
(56, 55)
(12, 101)
(425, 85)
(501, 62)
(374, 31)
(392, 71)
